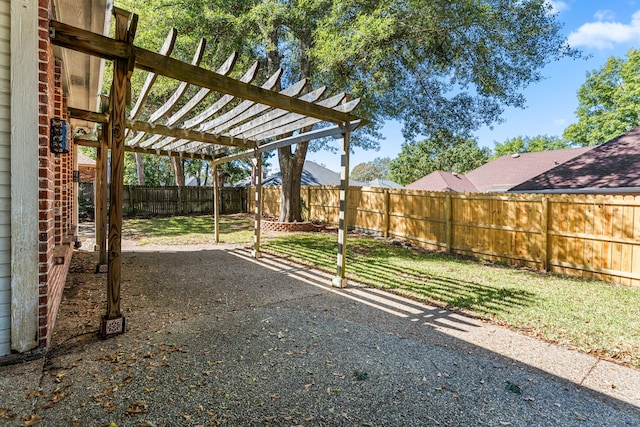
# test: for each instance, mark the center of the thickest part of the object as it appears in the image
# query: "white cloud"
(558, 6)
(605, 15)
(604, 33)
(560, 122)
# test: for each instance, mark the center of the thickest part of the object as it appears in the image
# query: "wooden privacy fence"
(591, 236)
(158, 201)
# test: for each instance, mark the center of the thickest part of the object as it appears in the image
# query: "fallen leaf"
(6, 414)
(34, 393)
(137, 407)
(32, 420)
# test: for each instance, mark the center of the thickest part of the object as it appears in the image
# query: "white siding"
(24, 173)
(5, 179)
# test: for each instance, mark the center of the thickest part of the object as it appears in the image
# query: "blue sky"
(599, 28)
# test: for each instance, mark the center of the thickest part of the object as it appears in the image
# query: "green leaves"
(525, 144)
(609, 101)
(442, 152)
(376, 169)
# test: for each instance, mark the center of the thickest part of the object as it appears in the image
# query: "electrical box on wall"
(60, 134)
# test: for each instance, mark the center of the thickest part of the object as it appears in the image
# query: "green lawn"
(595, 317)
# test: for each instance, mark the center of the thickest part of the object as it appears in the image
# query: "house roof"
(615, 164)
(443, 181)
(312, 174)
(379, 183)
(505, 172)
(84, 160)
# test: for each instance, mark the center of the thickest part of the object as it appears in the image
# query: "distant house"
(379, 183)
(87, 168)
(498, 175)
(443, 181)
(610, 168)
(315, 174)
(312, 174)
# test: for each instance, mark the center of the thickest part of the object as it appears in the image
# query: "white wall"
(5, 178)
(24, 173)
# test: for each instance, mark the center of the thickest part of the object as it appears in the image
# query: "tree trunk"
(206, 175)
(140, 168)
(178, 171)
(291, 165)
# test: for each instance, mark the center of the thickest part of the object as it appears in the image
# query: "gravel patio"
(217, 338)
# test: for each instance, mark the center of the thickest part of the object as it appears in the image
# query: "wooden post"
(387, 214)
(544, 230)
(340, 280)
(447, 216)
(216, 203)
(257, 162)
(308, 203)
(102, 186)
(114, 323)
(75, 200)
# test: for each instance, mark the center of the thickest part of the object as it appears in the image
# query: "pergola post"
(257, 163)
(216, 203)
(113, 322)
(102, 163)
(340, 280)
(75, 192)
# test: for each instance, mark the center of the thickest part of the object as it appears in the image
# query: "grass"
(594, 317)
(188, 230)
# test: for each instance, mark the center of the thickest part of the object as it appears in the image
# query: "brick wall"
(87, 173)
(55, 183)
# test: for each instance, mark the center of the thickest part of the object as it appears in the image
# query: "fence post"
(309, 203)
(257, 162)
(216, 204)
(544, 230)
(448, 215)
(386, 212)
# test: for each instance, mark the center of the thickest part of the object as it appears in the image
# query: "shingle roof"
(85, 160)
(443, 181)
(380, 183)
(615, 164)
(507, 171)
(312, 174)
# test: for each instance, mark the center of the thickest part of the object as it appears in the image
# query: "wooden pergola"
(232, 114)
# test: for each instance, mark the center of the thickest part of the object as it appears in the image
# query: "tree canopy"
(608, 101)
(368, 171)
(443, 152)
(525, 144)
(437, 66)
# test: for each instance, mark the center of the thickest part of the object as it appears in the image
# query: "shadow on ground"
(217, 338)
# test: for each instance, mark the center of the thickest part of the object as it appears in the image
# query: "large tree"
(435, 65)
(525, 144)
(368, 171)
(444, 152)
(609, 101)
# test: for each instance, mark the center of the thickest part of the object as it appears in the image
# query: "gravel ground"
(215, 338)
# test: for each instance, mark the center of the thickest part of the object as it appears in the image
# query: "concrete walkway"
(217, 338)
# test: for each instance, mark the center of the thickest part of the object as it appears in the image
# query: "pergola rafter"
(243, 115)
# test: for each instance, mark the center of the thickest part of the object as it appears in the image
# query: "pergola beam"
(142, 150)
(95, 44)
(173, 68)
(187, 134)
(84, 41)
(332, 131)
(90, 116)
